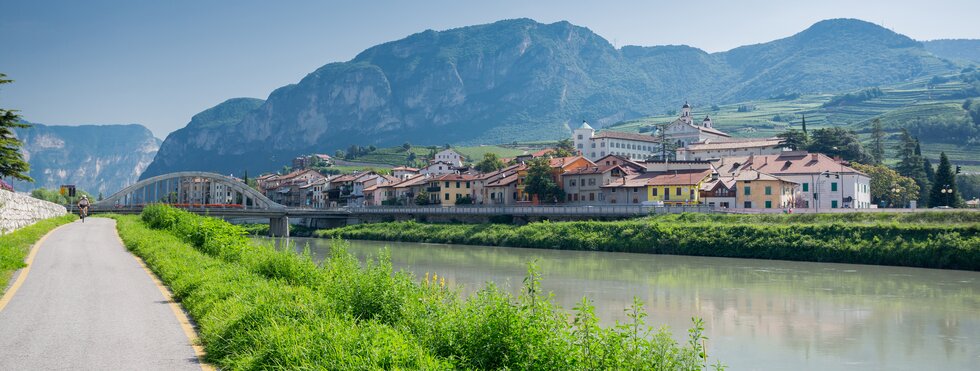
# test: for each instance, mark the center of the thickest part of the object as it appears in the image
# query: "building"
(559, 166)
(757, 190)
(503, 190)
(407, 190)
(684, 130)
(482, 194)
(825, 183)
(404, 172)
(631, 189)
(719, 192)
(450, 189)
(630, 145)
(584, 184)
(449, 156)
(439, 168)
(289, 189)
(305, 162)
(715, 149)
(676, 187)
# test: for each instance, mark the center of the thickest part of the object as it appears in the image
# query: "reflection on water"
(759, 314)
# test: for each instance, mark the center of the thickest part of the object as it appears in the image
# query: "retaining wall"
(20, 210)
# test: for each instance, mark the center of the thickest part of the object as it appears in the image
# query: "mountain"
(95, 158)
(195, 146)
(965, 49)
(524, 80)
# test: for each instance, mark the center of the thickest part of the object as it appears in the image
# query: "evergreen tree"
(911, 165)
(793, 139)
(930, 171)
(804, 126)
(565, 148)
(838, 142)
(944, 188)
(877, 142)
(12, 162)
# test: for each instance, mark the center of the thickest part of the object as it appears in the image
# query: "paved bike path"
(88, 304)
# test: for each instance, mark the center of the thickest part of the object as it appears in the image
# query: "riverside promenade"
(85, 303)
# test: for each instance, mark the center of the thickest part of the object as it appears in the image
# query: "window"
(591, 196)
(833, 187)
(569, 196)
(768, 204)
(833, 204)
(458, 196)
(748, 190)
(467, 184)
(447, 197)
(748, 204)
(678, 191)
(580, 137)
(768, 190)
(806, 187)
(573, 182)
(579, 146)
(655, 191)
(603, 153)
(592, 181)
(457, 184)
(447, 184)
(602, 144)
(593, 144)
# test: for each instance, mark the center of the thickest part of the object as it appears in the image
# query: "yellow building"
(448, 189)
(681, 187)
(758, 190)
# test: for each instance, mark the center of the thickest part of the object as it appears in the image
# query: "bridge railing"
(540, 210)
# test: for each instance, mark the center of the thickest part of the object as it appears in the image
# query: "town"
(708, 167)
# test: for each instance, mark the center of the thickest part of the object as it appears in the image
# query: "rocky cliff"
(524, 80)
(96, 158)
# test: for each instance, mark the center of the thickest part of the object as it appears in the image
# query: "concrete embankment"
(20, 210)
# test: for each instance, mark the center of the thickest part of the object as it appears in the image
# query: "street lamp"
(947, 191)
(895, 193)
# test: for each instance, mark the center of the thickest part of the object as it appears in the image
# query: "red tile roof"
(689, 177)
(786, 163)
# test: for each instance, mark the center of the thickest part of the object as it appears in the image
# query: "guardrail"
(591, 210)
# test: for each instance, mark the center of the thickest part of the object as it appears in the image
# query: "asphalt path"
(87, 304)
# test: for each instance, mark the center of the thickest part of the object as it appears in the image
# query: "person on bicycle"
(83, 207)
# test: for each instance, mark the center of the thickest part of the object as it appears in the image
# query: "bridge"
(223, 196)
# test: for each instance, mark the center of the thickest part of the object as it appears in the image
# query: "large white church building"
(682, 131)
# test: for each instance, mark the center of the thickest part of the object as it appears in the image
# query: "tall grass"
(14, 246)
(262, 308)
(927, 240)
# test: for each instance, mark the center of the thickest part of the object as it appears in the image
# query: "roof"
(680, 177)
(626, 136)
(456, 177)
(620, 160)
(785, 163)
(727, 182)
(500, 172)
(753, 175)
(505, 181)
(562, 162)
(686, 105)
(732, 144)
(413, 181)
(712, 130)
(404, 168)
(633, 181)
(585, 125)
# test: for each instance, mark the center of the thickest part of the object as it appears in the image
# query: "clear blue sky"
(158, 63)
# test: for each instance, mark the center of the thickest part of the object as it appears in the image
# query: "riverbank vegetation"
(257, 307)
(14, 246)
(949, 240)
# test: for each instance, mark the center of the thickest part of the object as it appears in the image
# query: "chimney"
(813, 156)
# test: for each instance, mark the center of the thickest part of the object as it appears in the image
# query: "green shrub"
(262, 308)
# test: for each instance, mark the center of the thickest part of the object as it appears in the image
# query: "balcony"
(435, 189)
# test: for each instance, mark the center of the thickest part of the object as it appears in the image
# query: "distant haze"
(160, 63)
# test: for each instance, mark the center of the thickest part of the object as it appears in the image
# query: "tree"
(929, 170)
(877, 141)
(838, 142)
(372, 148)
(944, 188)
(410, 161)
(910, 164)
(422, 198)
(793, 139)
(340, 154)
(888, 188)
(565, 148)
(539, 182)
(12, 162)
(489, 163)
(668, 149)
(406, 146)
(804, 125)
(968, 186)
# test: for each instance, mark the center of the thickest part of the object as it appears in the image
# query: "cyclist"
(83, 207)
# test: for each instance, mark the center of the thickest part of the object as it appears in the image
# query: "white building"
(684, 131)
(714, 149)
(449, 156)
(633, 146)
(438, 168)
(825, 183)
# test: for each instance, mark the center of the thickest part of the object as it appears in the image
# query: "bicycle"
(82, 213)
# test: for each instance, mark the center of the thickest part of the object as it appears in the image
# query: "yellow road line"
(24, 271)
(185, 322)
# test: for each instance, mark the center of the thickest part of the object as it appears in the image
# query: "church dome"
(686, 105)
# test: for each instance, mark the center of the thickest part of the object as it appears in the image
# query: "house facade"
(449, 156)
(757, 190)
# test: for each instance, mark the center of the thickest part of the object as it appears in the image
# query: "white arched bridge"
(223, 196)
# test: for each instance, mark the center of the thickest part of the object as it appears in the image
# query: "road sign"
(67, 190)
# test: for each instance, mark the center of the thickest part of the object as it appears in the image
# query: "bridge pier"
(279, 227)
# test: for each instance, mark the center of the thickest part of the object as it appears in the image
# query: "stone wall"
(20, 210)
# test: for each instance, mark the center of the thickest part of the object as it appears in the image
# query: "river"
(759, 314)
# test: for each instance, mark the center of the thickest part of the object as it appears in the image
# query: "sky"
(157, 63)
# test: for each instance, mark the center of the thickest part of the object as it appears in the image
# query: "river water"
(759, 314)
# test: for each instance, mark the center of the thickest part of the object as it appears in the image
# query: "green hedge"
(931, 245)
(262, 308)
(14, 246)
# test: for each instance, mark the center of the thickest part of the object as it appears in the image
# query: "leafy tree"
(539, 182)
(877, 141)
(406, 146)
(838, 142)
(51, 195)
(910, 164)
(12, 162)
(340, 154)
(410, 161)
(793, 139)
(968, 186)
(565, 148)
(372, 148)
(422, 198)
(944, 188)
(465, 200)
(888, 188)
(489, 163)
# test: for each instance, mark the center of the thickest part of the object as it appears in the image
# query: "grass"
(15, 246)
(931, 240)
(259, 308)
